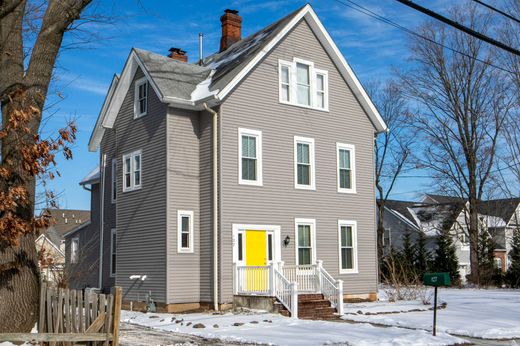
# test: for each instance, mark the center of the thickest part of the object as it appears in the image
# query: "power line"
(355, 6)
(460, 27)
(497, 10)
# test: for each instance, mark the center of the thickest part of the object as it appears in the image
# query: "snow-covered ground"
(488, 314)
(278, 330)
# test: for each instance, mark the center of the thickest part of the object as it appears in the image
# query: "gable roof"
(502, 208)
(65, 220)
(186, 85)
(401, 209)
(91, 178)
(434, 218)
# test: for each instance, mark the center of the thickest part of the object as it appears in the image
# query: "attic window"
(141, 98)
(301, 84)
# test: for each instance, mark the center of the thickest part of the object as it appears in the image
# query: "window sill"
(185, 251)
(349, 191)
(250, 182)
(305, 187)
(132, 189)
(137, 116)
(348, 271)
(304, 106)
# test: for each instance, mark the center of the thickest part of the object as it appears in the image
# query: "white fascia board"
(331, 48)
(99, 130)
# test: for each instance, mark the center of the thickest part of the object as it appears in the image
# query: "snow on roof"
(436, 217)
(91, 178)
(174, 78)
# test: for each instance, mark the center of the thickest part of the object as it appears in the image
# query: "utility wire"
(355, 6)
(460, 27)
(497, 10)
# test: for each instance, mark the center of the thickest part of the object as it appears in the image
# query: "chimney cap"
(177, 50)
(227, 10)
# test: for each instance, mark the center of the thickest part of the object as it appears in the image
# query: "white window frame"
(352, 150)
(74, 255)
(310, 142)
(138, 83)
(352, 224)
(293, 100)
(325, 75)
(132, 156)
(113, 185)
(180, 215)
(259, 177)
(113, 232)
(306, 222)
(290, 85)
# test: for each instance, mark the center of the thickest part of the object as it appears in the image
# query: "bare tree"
(391, 149)
(509, 167)
(26, 66)
(461, 108)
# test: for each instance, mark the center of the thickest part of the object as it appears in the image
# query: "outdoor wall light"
(286, 241)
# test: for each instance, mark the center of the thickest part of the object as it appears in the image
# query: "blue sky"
(83, 74)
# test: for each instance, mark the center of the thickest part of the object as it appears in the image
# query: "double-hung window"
(74, 250)
(141, 98)
(185, 231)
(347, 246)
(114, 181)
(132, 179)
(303, 85)
(346, 168)
(113, 251)
(304, 177)
(250, 157)
(305, 241)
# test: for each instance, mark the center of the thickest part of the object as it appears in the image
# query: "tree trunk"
(473, 239)
(19, 286)
(380, 231)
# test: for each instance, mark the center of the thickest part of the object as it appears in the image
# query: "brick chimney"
(178, 54)
(231, 28)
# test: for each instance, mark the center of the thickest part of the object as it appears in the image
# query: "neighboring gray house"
(499, 217)
(292, 199)
(82, 242)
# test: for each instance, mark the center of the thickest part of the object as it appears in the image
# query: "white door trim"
(241, 228)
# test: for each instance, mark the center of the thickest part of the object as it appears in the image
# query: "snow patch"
(278, 330)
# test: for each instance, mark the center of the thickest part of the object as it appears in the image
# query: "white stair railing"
(331, 289)
(285, 291)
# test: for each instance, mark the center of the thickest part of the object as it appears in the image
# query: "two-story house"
(249, 174)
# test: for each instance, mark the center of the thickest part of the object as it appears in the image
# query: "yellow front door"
(256, 256)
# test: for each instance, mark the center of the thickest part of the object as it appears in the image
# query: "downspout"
(102, 217)
(215, 207)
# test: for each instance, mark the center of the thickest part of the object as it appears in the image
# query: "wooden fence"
(72, 316)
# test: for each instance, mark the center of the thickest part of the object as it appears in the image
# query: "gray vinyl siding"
(85, 273)
(255, 105)
(109, 148)
(141, 214)
(206, 207)
(183, 194)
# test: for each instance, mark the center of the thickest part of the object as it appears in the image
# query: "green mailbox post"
(436, 280)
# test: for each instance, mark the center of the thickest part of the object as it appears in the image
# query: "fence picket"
(94, 309)
(81, 326)
(74, 326)
(86, 301)
(43, 306)
(49, 325)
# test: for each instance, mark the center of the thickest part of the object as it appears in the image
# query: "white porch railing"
(305, 275)
(285, 282)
